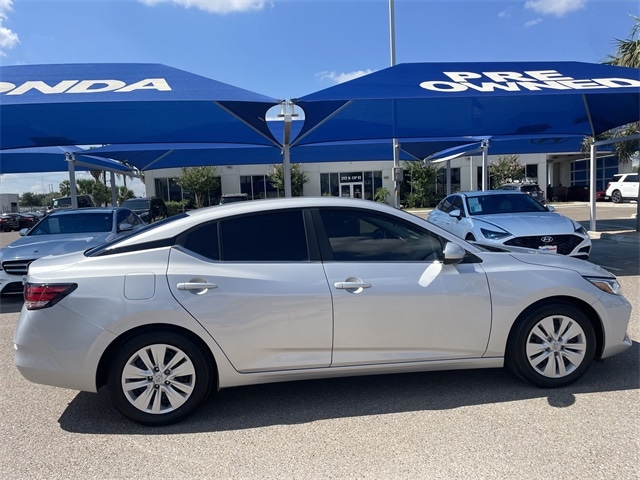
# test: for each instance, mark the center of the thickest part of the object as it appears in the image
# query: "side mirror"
(551, 208)
(456, 213)
(125, 227)
(23, 231)
(453, 253)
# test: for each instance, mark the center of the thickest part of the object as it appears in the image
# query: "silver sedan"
(279, 290)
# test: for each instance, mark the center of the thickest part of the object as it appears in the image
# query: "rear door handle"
(191, 286)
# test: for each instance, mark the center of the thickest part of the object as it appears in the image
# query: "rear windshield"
(77, 223)
(530, 188)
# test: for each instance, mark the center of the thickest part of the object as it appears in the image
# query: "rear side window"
(265, 237)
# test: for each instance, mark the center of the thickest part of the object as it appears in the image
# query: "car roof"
(71, 211)
(479, 193)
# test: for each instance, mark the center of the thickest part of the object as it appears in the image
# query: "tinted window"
(76, 223)
(457, 204)
(266, 237)
(631, 178)
(445, 205)
(202, 240)
(356, 235)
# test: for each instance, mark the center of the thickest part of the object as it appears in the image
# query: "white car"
(510, 220)
(63, 231)
(623, 186)
(304, 288)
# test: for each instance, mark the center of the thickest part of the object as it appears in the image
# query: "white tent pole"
(485, 165)
(396, 149)
(71, 158)
(114, 190)
(286, 161)
(592, 188)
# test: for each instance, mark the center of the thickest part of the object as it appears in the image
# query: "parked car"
(623, 186)
(149, 209)
(581, 193)
(531, 189)
(24, 220)
(233, 197)
(508, 219)
(63, 231)
(8, 222)
(330, 287)
(84, 201)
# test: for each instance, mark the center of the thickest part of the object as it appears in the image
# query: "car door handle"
(188, 286)
(352, 285)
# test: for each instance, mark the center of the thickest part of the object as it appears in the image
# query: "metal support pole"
(71, 158)
(287, 114)
(397, 181)
(448, 178)
(592, 187)
(114, 190)
(485, 165)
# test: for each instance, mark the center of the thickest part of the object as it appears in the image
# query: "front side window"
(358, 235)
(278, 236)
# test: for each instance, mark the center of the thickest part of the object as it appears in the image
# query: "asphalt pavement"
(478, 424)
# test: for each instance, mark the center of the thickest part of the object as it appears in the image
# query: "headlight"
(493, 235)
(609, 285)
(579, 229)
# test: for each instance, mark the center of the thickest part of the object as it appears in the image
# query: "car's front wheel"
(553, 346)
(616, 196)
(159, 378)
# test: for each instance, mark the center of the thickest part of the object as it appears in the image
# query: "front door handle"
(352, 285)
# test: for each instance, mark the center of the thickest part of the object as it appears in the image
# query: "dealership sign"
(531, 80)
(84, 86)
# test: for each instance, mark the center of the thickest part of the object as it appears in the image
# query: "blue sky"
(290, 48)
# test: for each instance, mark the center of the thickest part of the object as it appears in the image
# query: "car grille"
(17, 267)
(565, 243)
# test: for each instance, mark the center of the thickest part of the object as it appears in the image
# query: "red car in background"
(580, 193)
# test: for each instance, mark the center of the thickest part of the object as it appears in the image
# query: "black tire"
(170, 389)
(553, 346)
(616, 196)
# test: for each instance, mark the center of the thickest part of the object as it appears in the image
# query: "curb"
(629, 237)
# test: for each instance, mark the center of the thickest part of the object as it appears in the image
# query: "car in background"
(580, 193)
(233, 197)
(63, 231)
(84, 201)
(149, 209)
(531, 189)
(8, 223)
(25, 220)
(331, 287)
(623, 186)
(510, 220)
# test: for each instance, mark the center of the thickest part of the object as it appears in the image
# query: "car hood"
(37, 246)
(583, 267)
(528, 224)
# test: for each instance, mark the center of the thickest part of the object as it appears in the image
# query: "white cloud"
(533, 22)
(343, 77)
(504, 14)
(554, 7)
(8, 38)
(213, 6)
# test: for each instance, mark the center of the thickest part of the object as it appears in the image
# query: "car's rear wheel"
(553, 346)
(159, 378)
(616, 196)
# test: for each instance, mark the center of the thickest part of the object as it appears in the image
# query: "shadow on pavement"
(309, 401)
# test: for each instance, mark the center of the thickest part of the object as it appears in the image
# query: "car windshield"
(76, 223)
(136, 203)
(509, 203)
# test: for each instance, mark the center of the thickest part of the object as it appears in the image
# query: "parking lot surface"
(475, 424)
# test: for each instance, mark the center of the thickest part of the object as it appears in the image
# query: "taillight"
(44, 295)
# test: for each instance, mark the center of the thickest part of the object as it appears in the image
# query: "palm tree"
(627, 54)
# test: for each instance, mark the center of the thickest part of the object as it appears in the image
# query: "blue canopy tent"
(88, 104)
(422, 100)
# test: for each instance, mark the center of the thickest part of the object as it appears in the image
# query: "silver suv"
(623, 186)
(531, 189)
